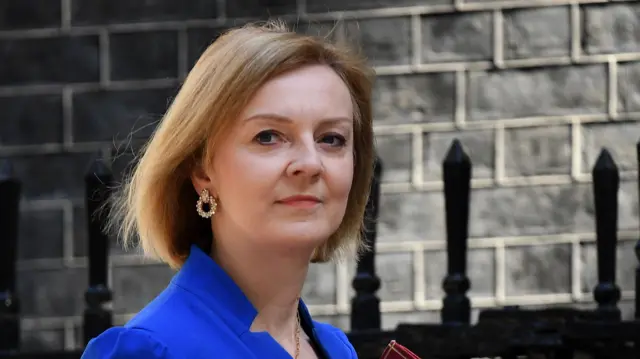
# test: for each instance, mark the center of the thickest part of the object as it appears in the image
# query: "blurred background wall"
(533, 90)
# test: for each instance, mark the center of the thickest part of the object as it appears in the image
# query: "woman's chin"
(301, 235)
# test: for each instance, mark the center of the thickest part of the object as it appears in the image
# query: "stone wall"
(532, 90)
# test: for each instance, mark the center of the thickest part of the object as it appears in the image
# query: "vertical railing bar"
(456, 169)
(10, 189)
(99, 183)
(606, 185)
(637, 246)
(365, 305)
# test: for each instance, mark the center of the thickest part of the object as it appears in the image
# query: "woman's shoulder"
(335, 340)
(125, 343)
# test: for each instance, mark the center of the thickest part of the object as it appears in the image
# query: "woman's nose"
(306, 161)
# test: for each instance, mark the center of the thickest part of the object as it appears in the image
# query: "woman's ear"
(201, 179)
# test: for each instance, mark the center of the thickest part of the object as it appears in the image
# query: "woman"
(261, 165)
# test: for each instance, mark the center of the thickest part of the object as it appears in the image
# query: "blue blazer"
(203, 314)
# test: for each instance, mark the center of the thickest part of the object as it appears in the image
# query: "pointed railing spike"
(456, 153)
(606, 184)
(456, 169)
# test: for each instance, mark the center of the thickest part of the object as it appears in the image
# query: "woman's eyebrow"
(276, 117)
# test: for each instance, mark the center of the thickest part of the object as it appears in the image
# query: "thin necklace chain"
(297, 337)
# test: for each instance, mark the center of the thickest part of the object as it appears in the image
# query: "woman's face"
(284, 172)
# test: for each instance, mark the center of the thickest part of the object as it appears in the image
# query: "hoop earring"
(205, 197)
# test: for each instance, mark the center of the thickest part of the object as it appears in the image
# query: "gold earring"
(205, 197)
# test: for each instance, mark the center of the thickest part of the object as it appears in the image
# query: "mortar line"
(183, 53)
(501, 273)
(68, 245)
(417, 155)
(105, 58)
(301, 8)
(342, 287)
(65, 14)
(499, 154)
(419, 285)
(460, 112)
(67, 117)
(576, 32)
(612, 87)
(498, 38)
(221, 9)
(416, 37)
(576, 269)
(576, 148)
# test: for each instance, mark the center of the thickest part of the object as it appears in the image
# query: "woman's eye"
(334, 140)
(268, 137)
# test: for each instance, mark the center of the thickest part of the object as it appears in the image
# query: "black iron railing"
(508, 333)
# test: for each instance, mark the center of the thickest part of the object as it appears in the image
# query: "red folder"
(397, 351)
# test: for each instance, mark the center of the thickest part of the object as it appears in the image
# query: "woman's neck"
(271, 280)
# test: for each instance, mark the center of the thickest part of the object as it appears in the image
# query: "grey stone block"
(260, 8)
(385, 41)
(626, 264)
(144, 55)
(41, 234)
(49, 60)
(52, 176)
(92, 12)
(619, 138)
(457, 37)
(24, 14)
(396, 276)
(135, 286)
(629, 87)
(627, 309)
(42, 340)
(540, 269)
(31, 120)
(119, 114)
(611, 28)
(538, 151)
(395, 153)
(198, 39)
(481, 272)
(52, 292)
(331, 29)
(628, 206)
(395, 271)
(548, 91)
(415, 216)
(340, 5)
(320, 285)
(414, 98)
(478, 144)
(81, 236)
(125, 158)
(531, 210)
(537, 32)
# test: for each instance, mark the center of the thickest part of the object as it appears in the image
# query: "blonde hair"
(156, 204)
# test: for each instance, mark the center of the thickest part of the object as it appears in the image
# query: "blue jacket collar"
(202, 276)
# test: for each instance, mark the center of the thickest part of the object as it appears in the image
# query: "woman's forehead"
(311, 91)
